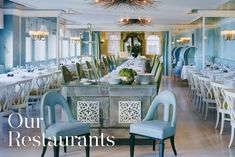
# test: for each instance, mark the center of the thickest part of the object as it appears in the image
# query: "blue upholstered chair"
(2, 69)
(157, 129)
(55, 131)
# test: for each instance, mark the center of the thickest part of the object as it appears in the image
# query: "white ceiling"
(169, 12)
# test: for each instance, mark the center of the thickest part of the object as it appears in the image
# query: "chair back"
(56, 80)
(155, 66)
(230, 100)
(196, 82)
(80, 72)
(153, 61)
(41, 85)
(2, 69)
(110, 63)
(90, 72)
(205, 87)
(67, 76)
(218, 87)
(48, 107)
(114, 61)
(168, 99)
(105, 61)
(20, 93)
(158, 74)
(6, 92)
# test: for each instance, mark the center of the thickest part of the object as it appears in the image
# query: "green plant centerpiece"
(128, 75)
(134, 50)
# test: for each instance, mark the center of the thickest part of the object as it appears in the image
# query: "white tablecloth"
(185, 69)
(217, 75)
(21, 75)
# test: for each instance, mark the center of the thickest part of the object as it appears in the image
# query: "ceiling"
(169, 12)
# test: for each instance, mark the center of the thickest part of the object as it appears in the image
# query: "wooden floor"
(194, 136)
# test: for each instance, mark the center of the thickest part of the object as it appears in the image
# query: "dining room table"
(111, 108)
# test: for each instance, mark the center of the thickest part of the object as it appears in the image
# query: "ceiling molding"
(133, 28)
(216, 13)
(33, 13)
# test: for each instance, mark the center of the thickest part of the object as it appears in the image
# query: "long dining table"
(109, 108)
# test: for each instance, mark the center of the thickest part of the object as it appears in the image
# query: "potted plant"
(128, 75)
(134, 50)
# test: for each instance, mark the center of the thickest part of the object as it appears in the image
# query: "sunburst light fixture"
(125, 3)
(135, 21)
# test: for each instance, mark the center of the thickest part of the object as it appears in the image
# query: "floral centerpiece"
(128, 75)
(134, 50)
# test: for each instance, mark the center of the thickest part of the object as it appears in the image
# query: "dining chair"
(55, 130)
(114, 61)
(89, 70)
(153, 61)
(157, 129)
(40, 86)
(197, 101)
(20, 96)
(104, 70)
(2, 69)
(56, 81)
(154, 69)
(158, 76)
(106, 64)
(80, 72)
(110, 63)
(67, 76)
(230, 100)
(221, 105)
(207, 94)
(6, 92)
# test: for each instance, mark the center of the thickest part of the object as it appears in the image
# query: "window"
(72, 49)
(52, 46)
(40, 50)
(65, 48)
(113, 43)
(153, 45)
(28, 49)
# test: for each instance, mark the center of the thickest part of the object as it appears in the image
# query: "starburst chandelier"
(136, 4)
(135, 21)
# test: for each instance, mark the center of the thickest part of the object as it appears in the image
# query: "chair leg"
(217, 120)
(132, 145)
(1, 127)
(88, 145)
(65, 147)
(154, 145)
(161, 148)
(27, 111)
(206, 110)
(44, 147)
(232, 136)
(172, 139)
(222, 124)
(56, 149)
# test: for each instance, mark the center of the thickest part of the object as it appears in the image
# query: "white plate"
(144, 83)
(114, 83)
(87, 83)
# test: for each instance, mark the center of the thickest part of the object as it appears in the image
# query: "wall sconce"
(179, 41)
(228, 34)
(102, 41)
(183, 40)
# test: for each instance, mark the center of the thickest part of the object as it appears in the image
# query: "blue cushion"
(155, 129)
(63, 129)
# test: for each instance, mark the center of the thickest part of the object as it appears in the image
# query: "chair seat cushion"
(155, 129)
(68, 129)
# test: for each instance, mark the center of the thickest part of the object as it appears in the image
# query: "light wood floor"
(194, 136)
